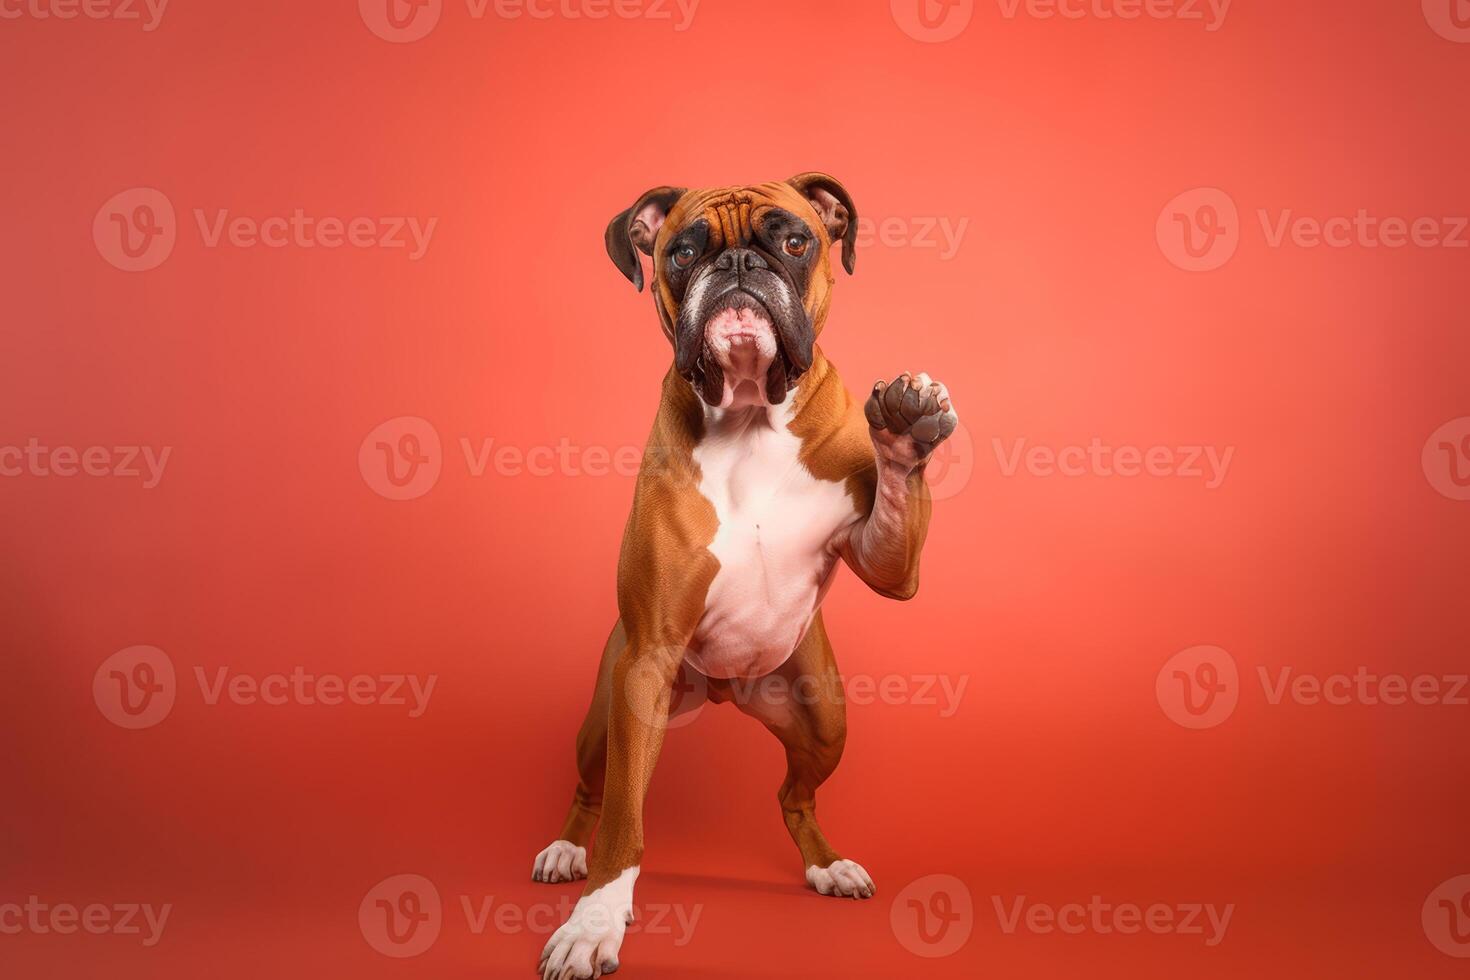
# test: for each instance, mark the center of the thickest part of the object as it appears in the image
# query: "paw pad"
(912, 405)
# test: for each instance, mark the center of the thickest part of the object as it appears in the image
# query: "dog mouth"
(738, 344)
(742, 348)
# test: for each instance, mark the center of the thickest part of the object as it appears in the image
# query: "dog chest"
(775, 523)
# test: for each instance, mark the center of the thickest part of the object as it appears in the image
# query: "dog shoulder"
(836, 445)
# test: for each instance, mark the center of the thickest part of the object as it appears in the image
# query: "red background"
(1059, 320)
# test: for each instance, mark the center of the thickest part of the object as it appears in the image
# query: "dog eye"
(796, 246)
(684, 255)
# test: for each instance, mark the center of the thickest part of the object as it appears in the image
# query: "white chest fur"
(776, 521)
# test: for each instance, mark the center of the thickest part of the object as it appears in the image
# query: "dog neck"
(746, 400)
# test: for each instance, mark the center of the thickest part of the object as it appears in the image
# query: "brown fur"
(665, 568)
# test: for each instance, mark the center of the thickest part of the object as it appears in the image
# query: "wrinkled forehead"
(733, 211)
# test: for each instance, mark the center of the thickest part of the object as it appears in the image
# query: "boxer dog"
(761, 472)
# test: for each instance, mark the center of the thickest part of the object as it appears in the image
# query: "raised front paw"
(910, 417)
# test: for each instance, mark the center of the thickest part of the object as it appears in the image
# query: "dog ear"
(638, 226)
(834, 206)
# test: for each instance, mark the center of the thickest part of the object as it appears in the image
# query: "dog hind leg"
(809, 717)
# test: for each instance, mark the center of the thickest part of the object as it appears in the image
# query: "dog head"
(742, 278)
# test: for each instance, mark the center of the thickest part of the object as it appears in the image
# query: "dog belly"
(759, 606)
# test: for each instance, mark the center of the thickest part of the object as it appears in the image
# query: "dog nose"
(740, 260)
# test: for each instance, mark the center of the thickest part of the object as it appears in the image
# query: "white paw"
(842, 879)
(562, 861)
(587, 944)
